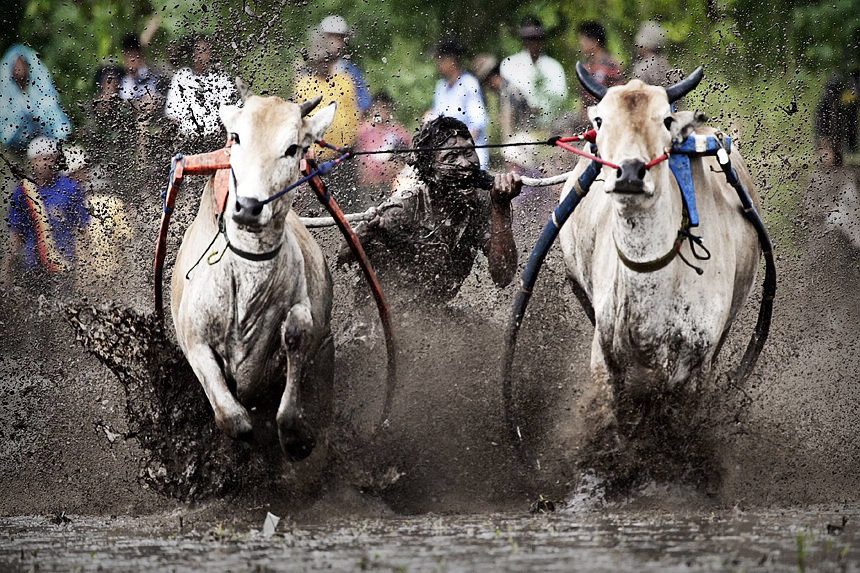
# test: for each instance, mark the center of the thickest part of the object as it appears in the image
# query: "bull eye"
(291, 150)
(235, 137)
(668, 122)
(598, 121)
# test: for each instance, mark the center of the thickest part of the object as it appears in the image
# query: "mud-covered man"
(425, 236)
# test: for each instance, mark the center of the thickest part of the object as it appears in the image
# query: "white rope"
(316, 222)
(547, 181)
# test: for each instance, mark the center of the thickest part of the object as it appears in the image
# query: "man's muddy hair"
(434, 134)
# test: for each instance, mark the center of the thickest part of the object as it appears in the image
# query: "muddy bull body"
(254, 321)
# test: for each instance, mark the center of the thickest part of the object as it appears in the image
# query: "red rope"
(572, 149)
(591, 136)
(654, 162)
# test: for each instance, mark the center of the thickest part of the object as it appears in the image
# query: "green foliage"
(740, 42)
(828, 33)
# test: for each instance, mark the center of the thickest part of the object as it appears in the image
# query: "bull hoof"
(236, 425)
(296, 446)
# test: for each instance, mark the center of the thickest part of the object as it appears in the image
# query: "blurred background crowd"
(84, 164)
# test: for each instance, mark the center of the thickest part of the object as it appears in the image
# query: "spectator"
(835, 124)
(108, 230)
(110, 126)
(650, 64)
(458, 95)
(425, 237)
(336, 32)
(321, 78)
(538, 77)
(598, 62)
(196, 94)
(514, 111)
(380, 131)
(139, 84)
(45, 216)
(30, 106)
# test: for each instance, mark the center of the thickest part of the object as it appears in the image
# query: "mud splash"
(187, 457)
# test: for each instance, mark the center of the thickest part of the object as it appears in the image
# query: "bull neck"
(647, 233)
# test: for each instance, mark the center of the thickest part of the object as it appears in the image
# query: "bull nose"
(631, 177)
(247, 210)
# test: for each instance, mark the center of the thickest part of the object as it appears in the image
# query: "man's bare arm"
(501, 249)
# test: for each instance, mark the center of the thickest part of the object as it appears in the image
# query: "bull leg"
(583, 299)
(231, 417)
(602, 440)
(294, 434)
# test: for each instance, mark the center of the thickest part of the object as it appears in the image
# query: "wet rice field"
(823, 539)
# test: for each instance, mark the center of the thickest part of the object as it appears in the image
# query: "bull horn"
(685, 86)
(243, 89)
(591, 85)
(308, 105)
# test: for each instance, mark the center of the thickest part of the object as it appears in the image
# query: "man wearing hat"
(335, 32)
(45, 215)
(537, 76)
(650, 64)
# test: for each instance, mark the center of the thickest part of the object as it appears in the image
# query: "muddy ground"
(75, 437)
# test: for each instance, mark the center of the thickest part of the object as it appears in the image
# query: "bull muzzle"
(630, 177)
(247, 211)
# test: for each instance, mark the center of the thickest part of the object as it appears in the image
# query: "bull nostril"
(258, 208)
(619, 172)
(642, 172)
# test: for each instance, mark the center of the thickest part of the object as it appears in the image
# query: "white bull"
(662, 324)
(255, 326)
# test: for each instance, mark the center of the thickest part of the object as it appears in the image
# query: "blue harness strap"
(680, 166)
(679, 163)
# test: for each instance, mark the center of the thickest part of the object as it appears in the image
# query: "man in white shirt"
(196, 94)
(139, 84)
(537, 76)
(458, 95)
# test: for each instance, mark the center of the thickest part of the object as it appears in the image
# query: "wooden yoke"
(214, 162)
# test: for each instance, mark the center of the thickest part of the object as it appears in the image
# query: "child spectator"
(46, 215)
(380, 131)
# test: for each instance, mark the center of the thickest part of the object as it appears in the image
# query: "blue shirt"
(463, 101)
(64, 202)
(362, 92)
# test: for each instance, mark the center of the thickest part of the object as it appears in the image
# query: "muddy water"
(99, 416)
(593, 541)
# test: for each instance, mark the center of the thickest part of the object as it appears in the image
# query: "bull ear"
(243, 89)
(685, 86)
(307, 106)
(229, 114)
(684, 123)
(591, 85)
(316, 124)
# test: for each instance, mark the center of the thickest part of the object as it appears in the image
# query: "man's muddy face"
(455, 166)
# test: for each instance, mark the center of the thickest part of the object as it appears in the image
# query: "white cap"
(42, 146)
(334, 25)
